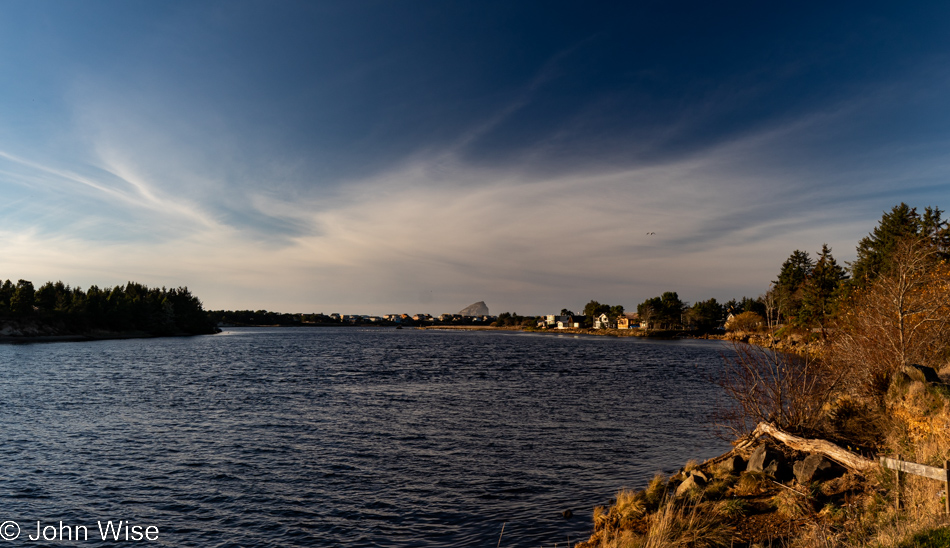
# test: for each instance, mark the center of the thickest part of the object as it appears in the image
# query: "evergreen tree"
(594, 309)
(820, 291)
(665, 310)
(788, 287)
(6, 294)
(707, 314)
(46, 297)
(875, 251)
(23, 298)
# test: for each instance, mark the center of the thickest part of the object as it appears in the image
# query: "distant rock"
(477, 309)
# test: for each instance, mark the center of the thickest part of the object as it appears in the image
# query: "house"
(602, 322)
(628, 321)
(569, 322)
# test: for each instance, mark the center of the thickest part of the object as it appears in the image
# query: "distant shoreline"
(89, 337)
(653, 334)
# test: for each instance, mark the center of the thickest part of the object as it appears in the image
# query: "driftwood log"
(846, 458)
(843, 457)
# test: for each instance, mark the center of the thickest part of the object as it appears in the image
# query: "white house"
(601, 322)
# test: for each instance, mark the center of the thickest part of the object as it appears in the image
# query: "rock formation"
(477, 309)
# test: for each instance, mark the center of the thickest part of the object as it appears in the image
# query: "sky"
(375, 157)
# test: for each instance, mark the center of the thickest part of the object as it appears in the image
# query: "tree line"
(132, 307)
(806, 294)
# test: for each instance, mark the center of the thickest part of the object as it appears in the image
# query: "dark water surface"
(345, 437)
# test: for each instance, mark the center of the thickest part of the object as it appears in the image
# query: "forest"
(121, 309)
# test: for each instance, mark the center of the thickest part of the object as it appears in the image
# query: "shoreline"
(654, 334)
(121, 335)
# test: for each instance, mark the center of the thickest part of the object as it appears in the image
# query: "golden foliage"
(901, 318)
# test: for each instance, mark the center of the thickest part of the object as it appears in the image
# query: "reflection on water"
(332, 437)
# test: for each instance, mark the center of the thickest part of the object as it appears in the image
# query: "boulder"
(815, 468)
(768, 460)
(732, 465)
(760, 458)
(921, 373)
(693, 482)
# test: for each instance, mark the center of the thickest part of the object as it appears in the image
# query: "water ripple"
(355, 437)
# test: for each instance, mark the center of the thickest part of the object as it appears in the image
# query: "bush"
(769, 386)
(747, 321)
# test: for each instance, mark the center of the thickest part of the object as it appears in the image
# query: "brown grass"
(752, 483)
(673, 525)
(792, 505)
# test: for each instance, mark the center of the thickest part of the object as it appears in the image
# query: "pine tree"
(901, 224)
(788, 287)
(23, 298)
(820, 290)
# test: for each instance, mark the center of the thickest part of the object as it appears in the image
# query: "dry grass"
(628, 508)
(732, 508)
(792, 505)
(719, 488)
(673, 525)
(655, 492)
(752, 483)
(677, 527)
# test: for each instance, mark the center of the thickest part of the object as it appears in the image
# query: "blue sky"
(417, 156)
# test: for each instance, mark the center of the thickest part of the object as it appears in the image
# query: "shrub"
(747, 321)
(769, 386)
(899, 319)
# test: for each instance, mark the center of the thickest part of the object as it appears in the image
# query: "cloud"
(436, 232)
(171, 191)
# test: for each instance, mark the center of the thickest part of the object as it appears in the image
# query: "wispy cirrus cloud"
(307, 157)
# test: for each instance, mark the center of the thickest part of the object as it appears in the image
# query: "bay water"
(261, 437)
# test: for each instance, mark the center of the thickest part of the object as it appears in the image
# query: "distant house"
(569, 322)
(602, 322)
(628, 321)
